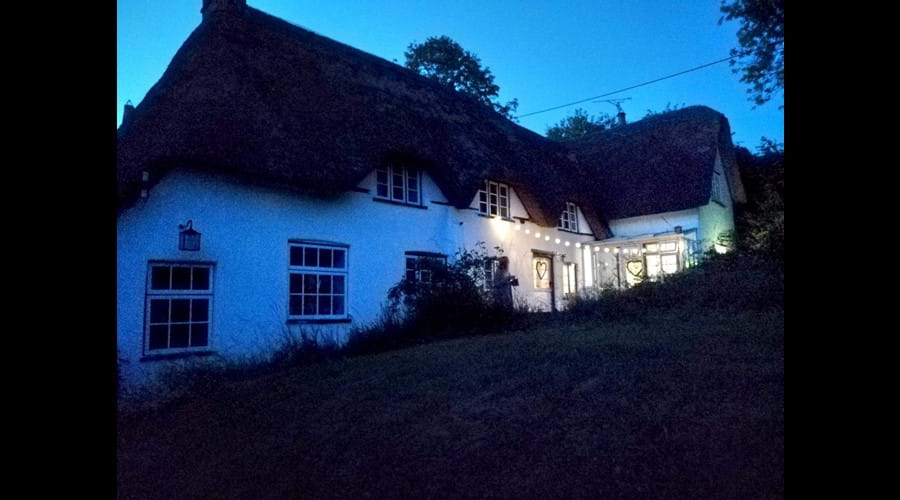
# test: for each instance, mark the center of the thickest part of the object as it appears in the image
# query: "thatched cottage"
(274, 179)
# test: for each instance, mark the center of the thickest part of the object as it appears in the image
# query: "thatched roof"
(659, 164)
(251, 94)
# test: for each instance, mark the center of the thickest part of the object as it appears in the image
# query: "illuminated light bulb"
(567, 243)
(615, 250)
(606, 249)
(527, 231)
(596, 249)
(518, 227)
(557, 241)
(537, 234)
(546, 238)
(577, 245)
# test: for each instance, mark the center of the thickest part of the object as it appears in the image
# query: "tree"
(760, 222)
(444, 60)
(761, 37)
(579, 125)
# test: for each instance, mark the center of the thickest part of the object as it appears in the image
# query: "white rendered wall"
(716, 218)
(245, 233)
(656, 223)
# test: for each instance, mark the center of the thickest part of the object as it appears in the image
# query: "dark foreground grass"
(674, 405)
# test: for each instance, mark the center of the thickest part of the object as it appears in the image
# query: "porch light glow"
(567, 243)
(606, 249)
(537, 234)
(577, 245)
(557, 241)
(188, 238)
(518, 227)
(596, 249)
(616, 250)
(527, 231)
(546, 238)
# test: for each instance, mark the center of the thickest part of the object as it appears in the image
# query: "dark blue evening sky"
(545, 53)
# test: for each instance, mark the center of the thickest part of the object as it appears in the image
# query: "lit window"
(661, 258)
(569, 281)
(398, 183)
(493, 199)
(569, 218)
(179, 298)
(542, 272)
(318, 281)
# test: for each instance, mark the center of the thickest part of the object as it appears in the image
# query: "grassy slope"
(672, 405)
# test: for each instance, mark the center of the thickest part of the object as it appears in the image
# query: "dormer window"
(397, 183)
(569, 218)
(493, 199)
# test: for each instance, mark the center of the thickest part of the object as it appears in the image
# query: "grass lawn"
(675, 404)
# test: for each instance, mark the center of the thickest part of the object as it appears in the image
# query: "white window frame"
(569, 219)
(318, 271)
(495, 203)
(718, 188)
(660, 249)
(411, 179)
(170, 294)
(417, 257)
(486, 273)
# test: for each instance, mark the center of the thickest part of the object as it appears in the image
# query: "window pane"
(179, 336)
(493, 188)
(181, 278)
(412, 180)
(324, 257)
(482, 197)
(200, 310)
(296, 256)
(181, 310)
(412, 196)
(339, 261)
(159, 311)
(310, 283)
(503, 191)
(382, 176)
(410, 275)
(310, 257)
(296, 283)
(670, 263)
(398, 192)
(201, 278)
(338, 284)
(325, 304)
(504, 213)
(382, 191)
(667, 247)
(482, 207)
(309, 305)
(199, 334)
(325, 283)
(159, 337)
(159, 278)
(296, 305)
(338, 305)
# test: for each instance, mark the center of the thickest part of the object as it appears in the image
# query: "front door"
(542, 274)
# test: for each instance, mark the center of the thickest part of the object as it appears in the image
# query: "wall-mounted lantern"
(188, 238)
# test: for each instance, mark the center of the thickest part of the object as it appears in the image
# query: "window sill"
(507, 219)
(399, 203)
(176, 355)
(717, 202)
(320, 321)
(573, 232)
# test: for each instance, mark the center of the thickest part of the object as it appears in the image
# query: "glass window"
(398, 183)
(569, 218)
(318, 282)
(179, 298)
(493, 199)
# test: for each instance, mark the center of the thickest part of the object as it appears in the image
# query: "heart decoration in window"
(635, 267)
(541, 268)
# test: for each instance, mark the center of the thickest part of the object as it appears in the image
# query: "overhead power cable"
(629, 88)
